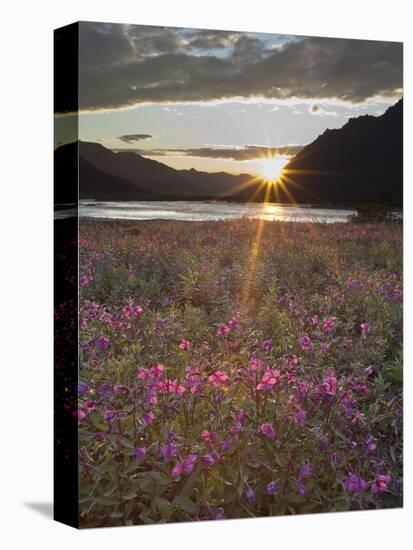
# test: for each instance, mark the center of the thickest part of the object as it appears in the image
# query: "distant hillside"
(100, 185)
(94, 183)
(362, 161)
(156, 177)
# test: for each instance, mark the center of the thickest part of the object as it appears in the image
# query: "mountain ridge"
(360, 162)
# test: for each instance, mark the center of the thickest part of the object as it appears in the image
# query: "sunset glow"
(270, 168)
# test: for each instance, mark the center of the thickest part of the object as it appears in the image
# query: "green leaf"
(110, 491)
(189, 484)
(297, 499)
(163, 506)
(106, 501)
(341, 435)
(161, 478)
(132, 493)
(184, 503)
(134, 465)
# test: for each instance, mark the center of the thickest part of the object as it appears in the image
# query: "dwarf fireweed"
(210, 389)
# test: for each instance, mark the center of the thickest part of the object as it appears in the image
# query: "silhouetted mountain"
(158, 178)
(93, 183)
(362, 161)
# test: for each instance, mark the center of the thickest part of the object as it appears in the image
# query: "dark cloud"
(133, 138)
(247, 49)
(124, 65)
(148, 41)
(247, 152)
(211, 40)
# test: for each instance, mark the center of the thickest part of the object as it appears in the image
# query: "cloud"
(247, 152)
(126, 65)
(133, 138)
(211, 40)
(319, 111)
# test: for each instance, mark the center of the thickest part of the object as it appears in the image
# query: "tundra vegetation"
(238, 369)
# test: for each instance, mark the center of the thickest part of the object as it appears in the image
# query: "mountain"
(158, 178)
(362, 161)
(101, 186)
(93, 183)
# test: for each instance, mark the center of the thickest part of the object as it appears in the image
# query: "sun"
(270, 168)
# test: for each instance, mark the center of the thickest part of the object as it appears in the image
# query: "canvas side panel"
(66, 489)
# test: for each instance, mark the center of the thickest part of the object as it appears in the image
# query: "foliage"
(239, 368)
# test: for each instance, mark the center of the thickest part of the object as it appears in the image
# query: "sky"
(223, 100)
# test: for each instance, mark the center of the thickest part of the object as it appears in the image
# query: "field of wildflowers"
(238, 369)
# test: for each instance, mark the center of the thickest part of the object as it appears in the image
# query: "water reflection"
(204, 211)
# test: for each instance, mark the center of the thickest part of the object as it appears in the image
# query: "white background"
(26, 129)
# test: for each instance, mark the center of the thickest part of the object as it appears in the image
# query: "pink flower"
(293, 359)
(236, 428)
(129, 311)
(186, 466)
(185, 345)
(300, 417)
(210, 459)
(380, 484)
(157, 371)
(301, 489)
(140, 452)
(225, 445)
(220, 514)
(109, 415)
(177, 470)
(85, 280)
(240, 416)
(268, 380)
(250, 495)
(143, 374)
(255, 364)
(267, 345)
(325, 347)
(218, 378)
(138, 310)
(103, 342)
(82, 387)
(330, 383)
(207, 436)
(148, 418)
(267, 430)
(171, 386)
(354, 484)
(365, 329)
(233, 322)
(120, 389)
(305, 471)
(370, 445)
(328, 325)
(223, 329)
(305, 343)
(314, 320)
(168, 451)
